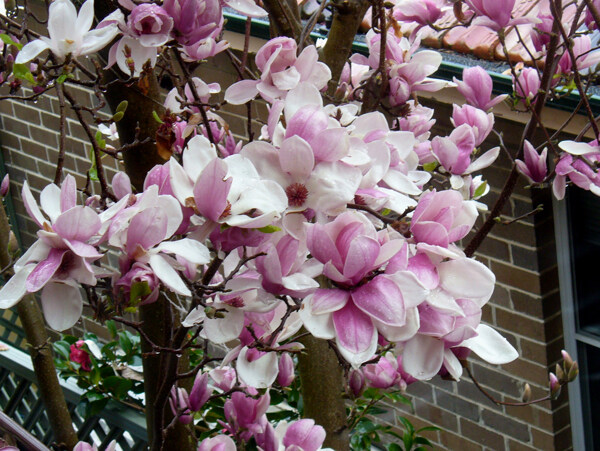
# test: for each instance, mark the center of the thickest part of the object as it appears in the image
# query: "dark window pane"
(589, 361)
(584, 218)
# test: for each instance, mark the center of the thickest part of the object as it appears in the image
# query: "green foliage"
(365, 432)
(110, 377)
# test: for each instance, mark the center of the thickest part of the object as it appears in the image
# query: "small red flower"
(79, 355)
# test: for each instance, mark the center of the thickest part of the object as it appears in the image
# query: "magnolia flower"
(534, 167)
(527, 83)
(476, 86)
(496, 14)
(69, 33)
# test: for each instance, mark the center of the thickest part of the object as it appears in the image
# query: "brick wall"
(525, 306)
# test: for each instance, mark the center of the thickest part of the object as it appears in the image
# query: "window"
(578, 244)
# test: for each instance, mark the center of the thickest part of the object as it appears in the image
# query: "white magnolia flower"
(69, 33)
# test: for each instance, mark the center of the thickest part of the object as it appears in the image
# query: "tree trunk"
(40, 350)
(322, 391)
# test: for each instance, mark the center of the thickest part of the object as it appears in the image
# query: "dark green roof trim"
(452, 64)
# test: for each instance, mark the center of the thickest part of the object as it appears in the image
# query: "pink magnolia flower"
(180, 405)
(218, 443)
(286, 370)
(200, 392)
(534, 167)
(363, 301)
(151, 24)
(303, 435)
(383, 374)
(79, 355)
(476, 86)
(281, 71)
(424, 12)
(540, 36)
(527, 84)
(61, 258)
(496, 14)
(193, 20)
(441, 218)
(454, 152)
(224, 378)
(590, 22)
(481, 123)
(578, 172)
(584, 56)
(246, 415)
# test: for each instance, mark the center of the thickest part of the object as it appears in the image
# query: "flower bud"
(567, 360)
(356, 382)
(200, 392)
(286, 370)
(13, 244)
(554, 385)
(526, 393)
(559, 372)
(4, 186)
(573, 372)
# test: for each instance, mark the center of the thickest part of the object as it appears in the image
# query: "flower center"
(296, 194)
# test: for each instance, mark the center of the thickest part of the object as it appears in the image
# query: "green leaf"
(22, 71)
(94, 408)
(269, 229)
(9, 41)
(118, 116)
(112, 328)
(62, 78)
(157, 117)
(121, 107)
(125, 343)
(423, 441)
(394, 447)
(63, 349)
(93, 171)
(386, 211)
(480, 190)
(430, 167)
(118, 386)
(138, 291)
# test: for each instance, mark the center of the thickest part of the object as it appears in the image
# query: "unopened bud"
(526, 393)
(200, 392)
(568, 361)
(559, 372)
(210, 312)
(554, 385)
(356, 382)
(286, 370)
(13, 244)
(5, 185)
(573, 372)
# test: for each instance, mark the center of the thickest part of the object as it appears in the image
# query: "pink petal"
(361, 256)
(77, 224)
(45, 270)
(296, 157)
(329, 300)
(31, 205)
(353, 328)
(241, 92)
(146, 229)
(260, 373)
(211, 190)
(382, 300)
(68, 193)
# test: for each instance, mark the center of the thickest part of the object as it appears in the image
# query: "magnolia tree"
(331, 241)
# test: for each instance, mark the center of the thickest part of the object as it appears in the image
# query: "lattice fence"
(19, 399)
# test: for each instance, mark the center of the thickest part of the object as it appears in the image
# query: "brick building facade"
(525, 307)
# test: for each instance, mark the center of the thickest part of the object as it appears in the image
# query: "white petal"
(50, 201)
(423, 356)
(192, 250)
(241, 92)
(261, 373)
(246, 7)
(452, 364)
(223, 330)
(578, 148)
(195, 317)
(466, 278)
(31, 50)
(14, 290)
(484, 161)
(165, 272)
(321, 326)
(491, 346)
(62, 305)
